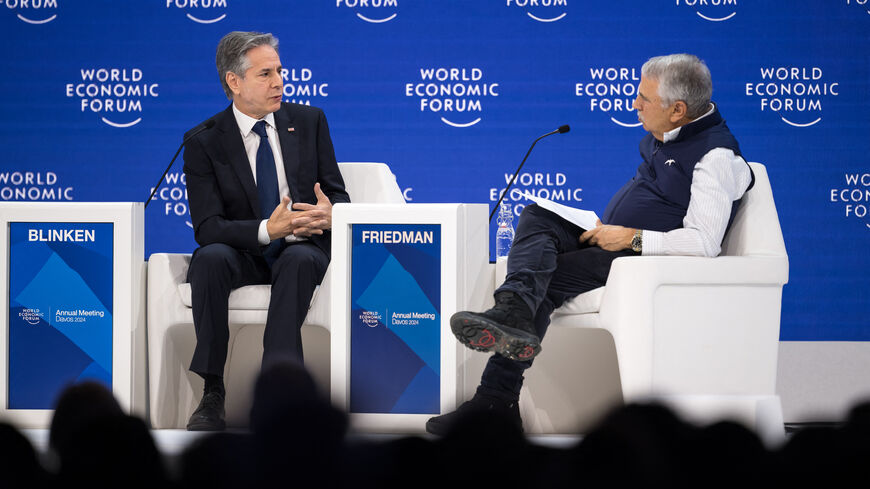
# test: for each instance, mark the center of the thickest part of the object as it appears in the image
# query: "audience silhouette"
(221, 460)
(98, 446)
(298, 439)
(76, 407)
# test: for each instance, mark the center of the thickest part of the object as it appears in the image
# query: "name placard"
(395, 327)
(60, 309)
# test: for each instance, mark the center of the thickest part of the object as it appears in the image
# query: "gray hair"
(232, 54)
(681, 77)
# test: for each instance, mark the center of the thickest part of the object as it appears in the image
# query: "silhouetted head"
(217, 461)
(78, 405)
(478, 436)
(633, 444)
(298, 435)
(114, 450)
(730, 454)
(282, 391)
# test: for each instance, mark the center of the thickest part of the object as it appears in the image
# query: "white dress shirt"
(252, 145)
(719, 178)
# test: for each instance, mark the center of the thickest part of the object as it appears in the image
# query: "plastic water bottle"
(504, 235)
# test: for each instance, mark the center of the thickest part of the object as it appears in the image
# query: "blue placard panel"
(395, 327)
(60, 309)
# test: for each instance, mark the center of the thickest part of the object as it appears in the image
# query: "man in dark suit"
(261, 181)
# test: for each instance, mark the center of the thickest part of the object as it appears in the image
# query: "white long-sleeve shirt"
(719, 178)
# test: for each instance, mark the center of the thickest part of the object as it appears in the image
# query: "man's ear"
(679, 111)
(232, 80)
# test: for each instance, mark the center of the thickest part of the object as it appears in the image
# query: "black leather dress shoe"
(209, 415)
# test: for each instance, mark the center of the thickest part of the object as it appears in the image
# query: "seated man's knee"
(532, 209)
(299, 258)
(534, 217)
(211, 258)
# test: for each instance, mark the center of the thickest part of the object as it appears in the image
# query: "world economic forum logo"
(33, 186)
(541, 10)
(114, 93)
(457, 94)
(611, 90)
(206, 11)
(854, 196)
(371, 318)
(371, 11)
(554, 186)
(711, 10)
(173, 194)
(31, 316)
(33, 11)
(795, 93)
(301, 85)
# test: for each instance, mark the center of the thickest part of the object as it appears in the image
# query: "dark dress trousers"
(224, 209)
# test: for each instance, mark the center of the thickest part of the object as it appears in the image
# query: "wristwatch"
(637, 241)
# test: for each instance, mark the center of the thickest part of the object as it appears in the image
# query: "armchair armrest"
(165, 272)
(646, 308)
(656, 270)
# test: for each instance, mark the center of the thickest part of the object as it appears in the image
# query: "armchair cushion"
(249, 297)
(583, 304)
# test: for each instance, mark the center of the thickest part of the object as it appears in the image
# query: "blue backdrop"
(450, 93)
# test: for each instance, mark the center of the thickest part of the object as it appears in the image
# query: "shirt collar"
(673, 133)
(246, 122)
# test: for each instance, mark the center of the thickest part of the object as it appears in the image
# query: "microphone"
(196, 130)
(560, 130)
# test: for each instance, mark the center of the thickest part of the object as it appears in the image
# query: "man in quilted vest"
(680, 202)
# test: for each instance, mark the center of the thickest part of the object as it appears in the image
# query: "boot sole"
(202, 423)
(207, 426)
(481, 334)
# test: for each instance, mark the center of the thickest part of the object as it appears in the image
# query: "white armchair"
(175, 391)
(700, 334)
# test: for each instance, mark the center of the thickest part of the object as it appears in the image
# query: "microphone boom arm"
(163, 176)
(202, 127)
(562, 129)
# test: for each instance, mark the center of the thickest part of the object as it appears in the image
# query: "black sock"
(213, 383)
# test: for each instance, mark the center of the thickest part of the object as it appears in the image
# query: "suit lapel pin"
(290, 129)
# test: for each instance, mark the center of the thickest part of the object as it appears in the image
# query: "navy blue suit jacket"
(224, 204)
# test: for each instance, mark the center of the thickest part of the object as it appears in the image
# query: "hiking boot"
(506, 329)
(480, 403)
